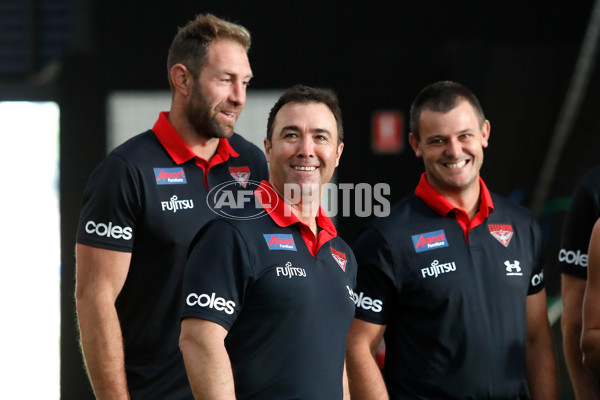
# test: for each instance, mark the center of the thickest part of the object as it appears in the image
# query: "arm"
(590, 339)
(206, 359)
(100, 277)
(541, 365)
(364, 376)
(584, 384)
(345, 383)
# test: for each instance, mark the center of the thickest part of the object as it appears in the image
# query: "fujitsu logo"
(438, 269)
(290, 271)
(174, 204)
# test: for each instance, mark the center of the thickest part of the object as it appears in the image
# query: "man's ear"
(339, 153)
(485, 133)
(182, 79)
(414, 143)
(267, 149)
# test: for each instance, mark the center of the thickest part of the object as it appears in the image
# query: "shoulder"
(243, 146)
(340, 244)
(513, 215)
(141, 148)
(217, 230)
(588, 187)
(505, 206)
(390, 233)
(240, 223)
(402, 217)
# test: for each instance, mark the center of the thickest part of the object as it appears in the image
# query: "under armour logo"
(513, 269)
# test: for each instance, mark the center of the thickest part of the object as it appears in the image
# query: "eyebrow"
(231, 73)
(439, 135)
(295, 128)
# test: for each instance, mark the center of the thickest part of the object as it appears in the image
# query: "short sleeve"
(536, 282)
(218, 271)
(110, 206)
(581, 216)
(375, 286)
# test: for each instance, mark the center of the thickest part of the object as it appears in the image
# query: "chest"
(496, 263)
(174, 200)
(288, 277)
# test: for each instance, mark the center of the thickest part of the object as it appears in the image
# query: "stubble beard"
(199, 114)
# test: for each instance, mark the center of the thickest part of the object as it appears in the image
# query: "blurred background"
(77, 77)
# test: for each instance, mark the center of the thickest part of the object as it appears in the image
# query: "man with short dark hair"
(143, 205)
(452, 278)
(269, 300)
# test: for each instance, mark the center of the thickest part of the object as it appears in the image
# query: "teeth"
(305, 168)
(459, 164)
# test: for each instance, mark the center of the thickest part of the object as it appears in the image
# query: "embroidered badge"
(240, 174)
(429, 241)
(339, 258)
(280, 241)
(170, 176)
(502, 232)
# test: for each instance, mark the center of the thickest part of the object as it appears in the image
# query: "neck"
(201, 146)
(307, 214)
(465, 199)
(306, 208)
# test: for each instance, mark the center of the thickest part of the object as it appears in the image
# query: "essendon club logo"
(240, 174)
(339, 258)
(502, 232)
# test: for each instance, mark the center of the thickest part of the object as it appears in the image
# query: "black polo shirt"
(284, 295)
(452, 293)
(148, 197)
(584, 211)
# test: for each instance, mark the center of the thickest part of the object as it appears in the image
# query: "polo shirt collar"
(440, 205)
(282, 214)
(179, 150)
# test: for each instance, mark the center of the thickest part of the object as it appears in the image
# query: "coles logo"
(502, 232)
(537, 279)
(339, 258)
(170, 176)
(109, 230)
(211, 301)
(367, 303)
(240, 174)
(280, 241)
(429, 241)
(574, 258)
